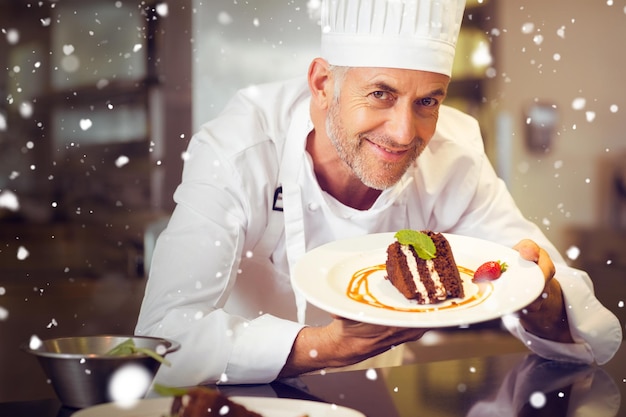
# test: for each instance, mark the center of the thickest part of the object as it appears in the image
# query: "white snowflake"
(9, 201)
(121, 161)
(22, 253)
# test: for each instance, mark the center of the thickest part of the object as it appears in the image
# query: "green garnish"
(166, 391)
(128, 347)
(421, 242)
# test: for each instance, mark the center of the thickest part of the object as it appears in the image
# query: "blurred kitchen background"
(100, 97)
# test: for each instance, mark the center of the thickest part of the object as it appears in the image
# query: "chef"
(361, 145)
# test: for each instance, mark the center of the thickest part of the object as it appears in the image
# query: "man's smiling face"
(383, 119)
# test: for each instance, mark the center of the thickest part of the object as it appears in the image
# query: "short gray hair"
(339, 74)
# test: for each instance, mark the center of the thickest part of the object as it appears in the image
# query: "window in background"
(98, 71)
(97, 43)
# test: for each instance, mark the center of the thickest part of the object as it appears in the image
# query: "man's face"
(383, 119)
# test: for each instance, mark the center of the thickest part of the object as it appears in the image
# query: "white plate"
(270, 407)
(325, 274)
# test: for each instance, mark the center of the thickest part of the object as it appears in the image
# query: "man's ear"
(320, 82)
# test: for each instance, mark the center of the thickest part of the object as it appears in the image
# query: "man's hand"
(545, 317)
(343, 342)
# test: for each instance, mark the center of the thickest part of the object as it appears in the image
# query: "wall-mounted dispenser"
(540, 119)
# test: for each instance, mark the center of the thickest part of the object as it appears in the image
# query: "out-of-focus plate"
(331, 277)
(271, 407)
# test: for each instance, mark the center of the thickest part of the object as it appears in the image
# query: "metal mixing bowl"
(79, 368)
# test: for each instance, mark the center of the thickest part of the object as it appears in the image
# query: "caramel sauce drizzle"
(358, 290)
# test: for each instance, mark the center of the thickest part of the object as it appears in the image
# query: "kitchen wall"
(569, 54)
(242, 43)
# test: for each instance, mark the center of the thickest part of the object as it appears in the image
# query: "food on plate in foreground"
(203, 402)
(420, 264)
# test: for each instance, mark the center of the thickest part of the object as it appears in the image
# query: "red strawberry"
(490, 271)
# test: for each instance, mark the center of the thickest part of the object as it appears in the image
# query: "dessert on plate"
(207, 402)
(421, 265)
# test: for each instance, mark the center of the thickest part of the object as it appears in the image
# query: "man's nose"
(403, 125)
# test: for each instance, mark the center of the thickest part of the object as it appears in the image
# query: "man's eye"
(381, 95)
(428, 102)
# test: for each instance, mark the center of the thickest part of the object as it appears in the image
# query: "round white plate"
(270, 407)
(326, 275)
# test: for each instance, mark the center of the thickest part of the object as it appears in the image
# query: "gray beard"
(348, 152)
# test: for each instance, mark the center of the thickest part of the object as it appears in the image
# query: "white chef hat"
(408, 34)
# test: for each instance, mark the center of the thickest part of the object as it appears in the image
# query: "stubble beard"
(374, 173)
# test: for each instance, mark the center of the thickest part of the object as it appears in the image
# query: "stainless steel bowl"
(79, 368)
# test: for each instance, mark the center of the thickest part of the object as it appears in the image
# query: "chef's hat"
(408, 34)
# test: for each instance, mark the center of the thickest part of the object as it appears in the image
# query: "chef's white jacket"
(219, 281)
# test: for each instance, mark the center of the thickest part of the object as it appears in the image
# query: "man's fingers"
(546, 264)
(528, 250)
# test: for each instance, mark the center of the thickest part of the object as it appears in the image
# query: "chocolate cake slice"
(427, 281)
(207, 402)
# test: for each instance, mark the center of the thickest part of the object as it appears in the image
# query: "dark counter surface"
(514, 384)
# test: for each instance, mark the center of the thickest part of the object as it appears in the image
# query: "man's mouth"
(393, 151)
(387, 150)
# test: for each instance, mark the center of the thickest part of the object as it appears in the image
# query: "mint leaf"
(421, 242)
